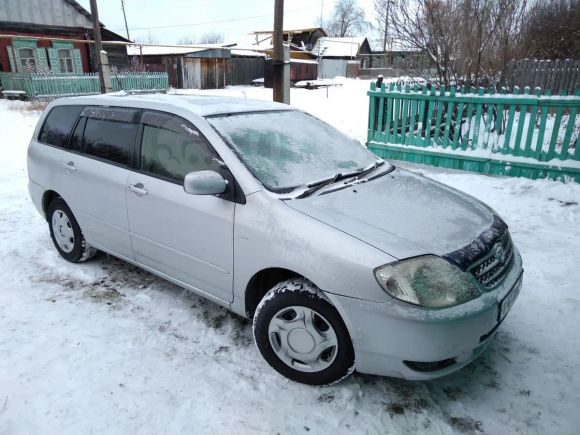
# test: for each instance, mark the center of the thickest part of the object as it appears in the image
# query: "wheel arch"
(261, 282)
(47, 198)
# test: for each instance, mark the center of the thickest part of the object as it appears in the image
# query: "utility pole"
(280, 79)
(98, 43)
(125, 18)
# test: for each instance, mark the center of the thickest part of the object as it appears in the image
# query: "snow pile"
(106, 348)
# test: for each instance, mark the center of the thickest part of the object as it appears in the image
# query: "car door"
(186, 237)
(96, 165)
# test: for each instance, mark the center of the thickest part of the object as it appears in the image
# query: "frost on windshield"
(290, 149)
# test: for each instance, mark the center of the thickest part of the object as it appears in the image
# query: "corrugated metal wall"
(330, 68)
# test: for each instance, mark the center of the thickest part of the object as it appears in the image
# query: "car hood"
(402, 214)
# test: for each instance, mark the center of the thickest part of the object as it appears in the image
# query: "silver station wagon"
(342, 260)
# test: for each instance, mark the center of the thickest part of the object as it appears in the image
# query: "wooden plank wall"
(242, 70)
(553, 75)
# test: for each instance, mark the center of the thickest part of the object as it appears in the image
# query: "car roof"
(201, 105)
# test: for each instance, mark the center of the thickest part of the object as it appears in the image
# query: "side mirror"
(204, 183)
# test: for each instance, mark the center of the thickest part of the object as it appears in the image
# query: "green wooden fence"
(54, 85)
(519, 134)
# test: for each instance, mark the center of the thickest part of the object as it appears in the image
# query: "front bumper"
(385, 335)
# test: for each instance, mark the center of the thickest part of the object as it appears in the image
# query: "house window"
(27, 59)
(65, 60)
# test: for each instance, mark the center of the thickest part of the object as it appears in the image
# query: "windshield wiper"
(313, 187)
(370, 169)
(317, 185)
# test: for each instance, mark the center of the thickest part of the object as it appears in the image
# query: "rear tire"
(301, 335)
(66, 233)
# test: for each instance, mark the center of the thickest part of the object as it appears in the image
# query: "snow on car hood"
(402, 214)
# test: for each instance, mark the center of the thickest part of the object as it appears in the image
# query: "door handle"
(138, 189)
(70, 167)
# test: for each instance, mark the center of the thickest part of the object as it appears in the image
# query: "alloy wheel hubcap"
(62, 230)
(303, 339)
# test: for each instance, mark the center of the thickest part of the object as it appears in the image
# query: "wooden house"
(43, 35)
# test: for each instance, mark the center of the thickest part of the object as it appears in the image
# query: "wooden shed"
(188, 67)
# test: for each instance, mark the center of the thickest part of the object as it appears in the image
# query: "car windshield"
(288, 149)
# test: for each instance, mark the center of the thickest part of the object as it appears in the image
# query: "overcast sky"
(170, 20)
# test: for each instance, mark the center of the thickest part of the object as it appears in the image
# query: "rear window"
(58, 125)
(109, 140)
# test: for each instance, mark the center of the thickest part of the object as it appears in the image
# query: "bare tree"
(211, 38)
(148, 38)
(482, 24)
(348, 19)
(507, 42)
(468, 41)
(552, 31)
(429, 26)
(186, 40)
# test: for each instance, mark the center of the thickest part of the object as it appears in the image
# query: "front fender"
(268, 234)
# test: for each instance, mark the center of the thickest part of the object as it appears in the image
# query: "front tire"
(301, 335)
(66, 233)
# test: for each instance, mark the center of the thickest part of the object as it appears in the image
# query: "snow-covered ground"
(105, 348)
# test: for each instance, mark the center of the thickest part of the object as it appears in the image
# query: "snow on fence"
(54, 85)
(518, 134)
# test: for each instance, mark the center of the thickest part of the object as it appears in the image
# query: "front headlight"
(429, 281)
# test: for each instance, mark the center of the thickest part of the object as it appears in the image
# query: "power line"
(217, 21)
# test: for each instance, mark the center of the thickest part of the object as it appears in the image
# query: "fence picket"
(413, 104)
(477, 121)
(448, 116)
(499, 120)
(555, 131)
(379, 129)
(488, 118)
(521, 122)
(531, 124)
(429, 125)
(404, 110)
(465, 137)
(437, 131)
(459, 123)
(542, 130)
(510, 123)
(396, 104)
(389, 121)
(568, 134)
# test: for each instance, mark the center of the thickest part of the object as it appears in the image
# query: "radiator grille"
(492, 269)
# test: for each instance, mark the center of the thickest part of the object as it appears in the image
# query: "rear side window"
(109, 140)
(58, 125)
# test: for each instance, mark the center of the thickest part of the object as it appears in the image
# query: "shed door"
(196, 74)
(189, 74)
